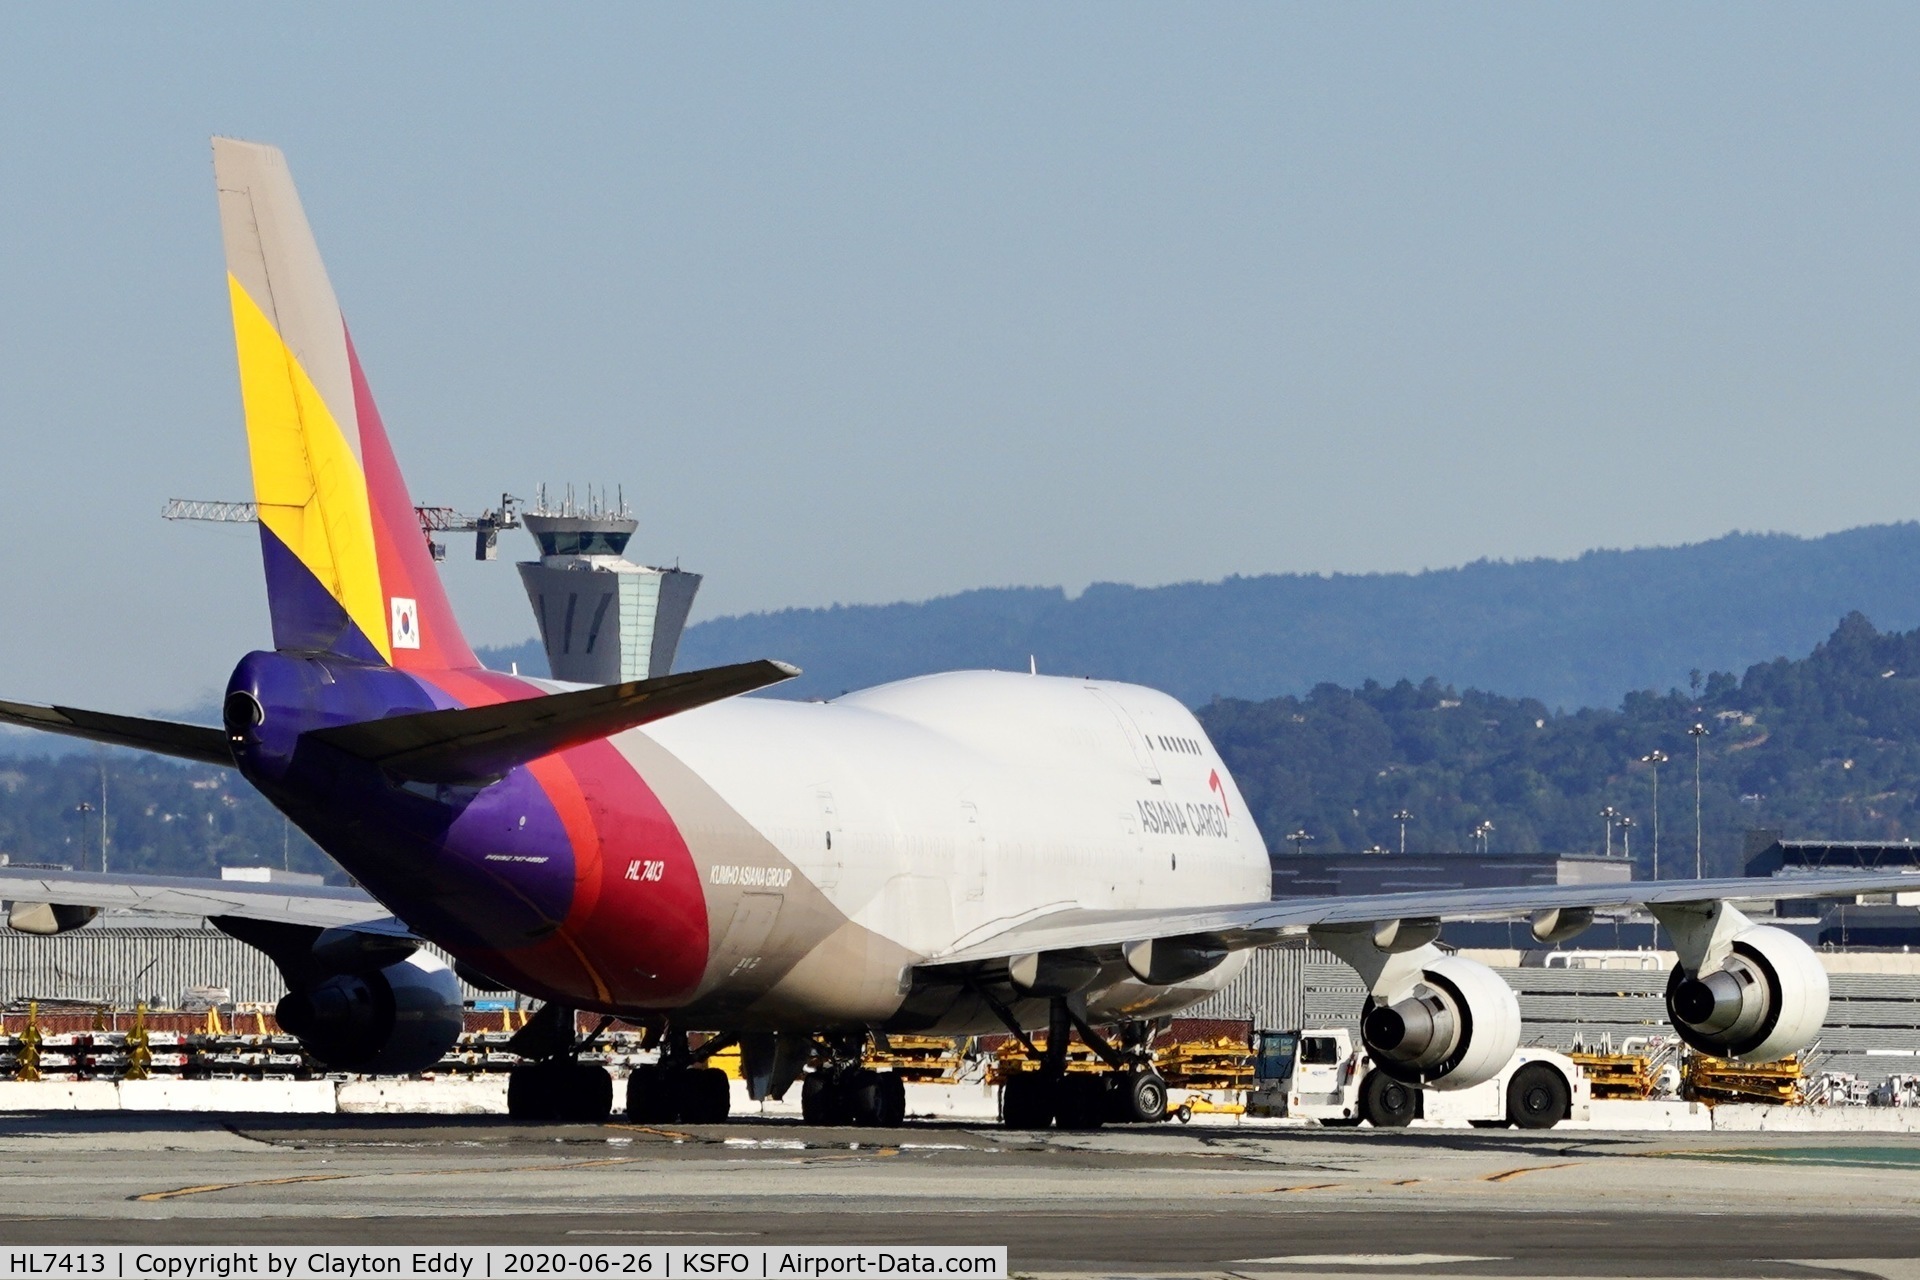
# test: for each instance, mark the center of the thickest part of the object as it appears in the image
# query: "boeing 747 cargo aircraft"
(957, 854)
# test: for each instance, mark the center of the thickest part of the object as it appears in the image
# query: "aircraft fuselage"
(764, 864)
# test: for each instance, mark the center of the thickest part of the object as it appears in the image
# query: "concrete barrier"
(968, 1104)
(445, 1096)
(1747, 1118)
(59, 1095)
(1659, 1115)
(272, 1097)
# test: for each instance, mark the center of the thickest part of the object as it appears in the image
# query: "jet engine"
(1766, 1000)
(1456, 1026)
(391, 1021)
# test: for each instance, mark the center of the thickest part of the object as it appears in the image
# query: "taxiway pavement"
(1166, 1201)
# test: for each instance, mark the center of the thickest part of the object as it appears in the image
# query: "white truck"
(1319, 1074)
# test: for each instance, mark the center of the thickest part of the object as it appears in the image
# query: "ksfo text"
(664, 1262)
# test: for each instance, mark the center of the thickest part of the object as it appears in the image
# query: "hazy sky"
(873, 303)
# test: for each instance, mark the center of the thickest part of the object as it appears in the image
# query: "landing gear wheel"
(1387, 1102)
(1026, 1102)
(706, 1096)
(878, 1100)
(1138, 1097)
(589, 1094)
(822, 1102)
(653, 1095)
(566, 1092)
(532, 1091)
(1080, 1102)
(1538, 1097)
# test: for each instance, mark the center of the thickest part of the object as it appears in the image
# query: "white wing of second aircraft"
(323, 905)
(1265, 923)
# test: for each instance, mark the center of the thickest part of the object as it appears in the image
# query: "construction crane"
(485, 527)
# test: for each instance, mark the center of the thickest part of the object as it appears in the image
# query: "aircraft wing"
(1264, 923)
(325, 906)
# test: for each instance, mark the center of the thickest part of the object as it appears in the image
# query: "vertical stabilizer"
(348, 571)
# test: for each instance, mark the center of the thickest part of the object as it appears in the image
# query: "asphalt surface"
(1166, 1201)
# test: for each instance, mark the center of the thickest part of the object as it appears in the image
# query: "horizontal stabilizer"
(168, 737)
(473, 744)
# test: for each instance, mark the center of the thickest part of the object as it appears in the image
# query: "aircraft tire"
(1026, 1102)
(588, 1093)
(1538, 1097)
(1386, 1102)
(1138, 1097)
(879, 1100)
(533, 1092)
(706, 1096)
(823, 1100)
(1080, 1102)
(652, 1095)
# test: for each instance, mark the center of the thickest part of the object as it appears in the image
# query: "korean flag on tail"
(406, 623)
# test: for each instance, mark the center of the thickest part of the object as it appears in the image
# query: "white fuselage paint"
(941, 810)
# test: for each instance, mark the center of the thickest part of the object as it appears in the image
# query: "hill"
(1571, 633)
(1826, 746)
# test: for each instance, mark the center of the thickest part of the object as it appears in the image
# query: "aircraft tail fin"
(472, 744)
(347, 566)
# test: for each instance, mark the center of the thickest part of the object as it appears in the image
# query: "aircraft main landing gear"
(677, 1089)
(841, 1091)
(554, 1086)
(1129, 1091)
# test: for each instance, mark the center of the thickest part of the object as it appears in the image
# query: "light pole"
(1403, 817)
(103, 816)
(1698, 733)
(1655, 758)
(1607, 815)
(1626, 839)
(83, 809)
(1299, 839)
(1481, 832)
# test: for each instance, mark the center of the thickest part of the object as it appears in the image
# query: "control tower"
(603, 618)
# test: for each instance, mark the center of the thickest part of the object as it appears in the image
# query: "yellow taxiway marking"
(555, 1167)
(658, 1133)
(228, 1186)
(1510, 1174)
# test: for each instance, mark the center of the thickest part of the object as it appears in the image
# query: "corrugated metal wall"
(1269, 992)
(122, 967)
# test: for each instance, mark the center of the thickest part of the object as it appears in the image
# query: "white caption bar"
(533, 1262)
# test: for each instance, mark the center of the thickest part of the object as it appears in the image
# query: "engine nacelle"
(393, 1021)
(1456, 1028)
(1767, 999)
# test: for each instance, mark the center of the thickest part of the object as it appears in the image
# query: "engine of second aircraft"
(1454, 1028)
(395, 1020)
